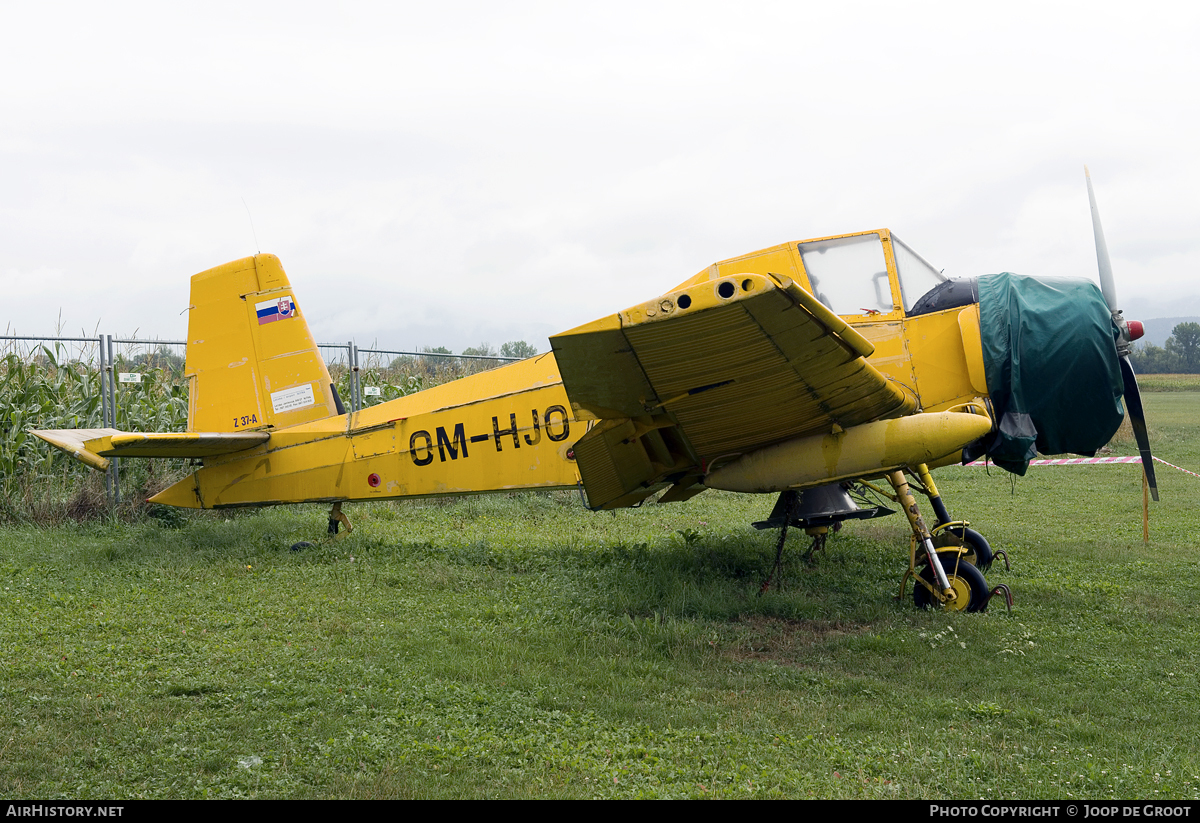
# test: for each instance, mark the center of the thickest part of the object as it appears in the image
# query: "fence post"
(104, 407)
(355, 402)
(112, 416)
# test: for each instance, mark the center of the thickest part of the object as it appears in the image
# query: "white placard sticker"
(129, 377)
(297, 397)
(372, 391)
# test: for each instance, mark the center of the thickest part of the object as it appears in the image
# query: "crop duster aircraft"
(808, 370)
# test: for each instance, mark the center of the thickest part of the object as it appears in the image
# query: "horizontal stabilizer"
(94, 446)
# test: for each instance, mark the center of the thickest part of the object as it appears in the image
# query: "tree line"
(1181, 354)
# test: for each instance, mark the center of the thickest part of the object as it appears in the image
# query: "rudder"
(252, 362)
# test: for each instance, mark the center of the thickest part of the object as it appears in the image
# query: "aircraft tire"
(979, 551)
(966, 580)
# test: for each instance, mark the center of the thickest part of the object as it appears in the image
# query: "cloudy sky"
(454, 173)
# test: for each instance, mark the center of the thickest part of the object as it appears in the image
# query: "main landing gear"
(946, 563)
(952, 557)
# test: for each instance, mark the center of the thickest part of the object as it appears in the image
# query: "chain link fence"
(135, 384)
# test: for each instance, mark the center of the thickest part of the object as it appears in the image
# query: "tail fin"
(252, 363)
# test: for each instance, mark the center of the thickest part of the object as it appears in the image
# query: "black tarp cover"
(1050, 358)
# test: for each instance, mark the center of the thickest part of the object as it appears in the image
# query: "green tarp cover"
(1050, 358)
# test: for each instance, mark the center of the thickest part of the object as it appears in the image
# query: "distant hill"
(1159, 329)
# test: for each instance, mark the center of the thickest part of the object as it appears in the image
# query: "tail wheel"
(970, 589)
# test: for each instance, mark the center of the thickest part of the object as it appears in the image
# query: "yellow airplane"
(808, 370)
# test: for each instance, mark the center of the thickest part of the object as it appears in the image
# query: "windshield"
(917, 277)
(849, 274)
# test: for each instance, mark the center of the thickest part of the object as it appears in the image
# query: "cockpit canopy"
(851, 276)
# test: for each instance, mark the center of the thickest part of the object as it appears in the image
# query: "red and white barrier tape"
(1172, 465)
(1079, 461)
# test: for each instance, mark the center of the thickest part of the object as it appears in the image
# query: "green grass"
(524, 647)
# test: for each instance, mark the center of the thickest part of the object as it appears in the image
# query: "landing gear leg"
(955, 533)
(335, 517)
(950, 556)
(939, 586)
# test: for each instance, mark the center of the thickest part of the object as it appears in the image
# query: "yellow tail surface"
(252, 363)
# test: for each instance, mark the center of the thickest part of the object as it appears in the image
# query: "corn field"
(51, 386)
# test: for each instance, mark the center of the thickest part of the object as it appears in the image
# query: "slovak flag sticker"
(271, 310)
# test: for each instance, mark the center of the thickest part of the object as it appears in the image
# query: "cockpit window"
(917, 277)
(849, 274)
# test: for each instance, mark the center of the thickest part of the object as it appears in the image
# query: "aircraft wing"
(709, 372)
(95, 446)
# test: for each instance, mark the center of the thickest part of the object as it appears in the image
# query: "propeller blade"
(1137, 418)
(1133, 395)
(1106, 278)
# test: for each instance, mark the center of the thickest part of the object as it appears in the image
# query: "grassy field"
(524, 647)
(1169, 382)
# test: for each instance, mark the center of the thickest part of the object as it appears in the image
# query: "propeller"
(1133, 395)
